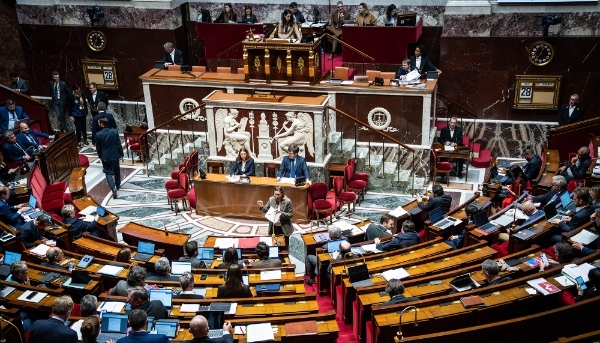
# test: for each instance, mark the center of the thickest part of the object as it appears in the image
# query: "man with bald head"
(530, 210)
(54, 255)
(199, 329)
(578, 166)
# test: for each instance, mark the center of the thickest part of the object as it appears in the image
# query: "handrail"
(350, 47)
(574, 126)
(459, 105)
(228, 49)
(367, 125)
(170, 120)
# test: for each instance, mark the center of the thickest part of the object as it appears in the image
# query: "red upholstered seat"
(50, 198)
(502, 249)
(355, 175)
(444, 165)
(135, 146)
(181, 193)
(84, 161)
(172, 184)
(574, 183)
(484, 159)
(440, 167)
(356, 186)
(342, 197)
(320, 205)
(192, 198)
(176, 193)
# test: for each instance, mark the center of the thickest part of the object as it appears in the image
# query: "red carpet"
(326, 65)
(346, 334)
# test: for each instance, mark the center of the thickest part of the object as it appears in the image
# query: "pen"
(104, 303)
(242, 329)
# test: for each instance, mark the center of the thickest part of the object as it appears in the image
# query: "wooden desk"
(61, 156)
(104, 248)
(455, 155)
(239, 199)
(211, 241)
(173, 244)
(457, 213)
(552, 163)
(12, 333)
(77, 186)
(229, 77)
(45, 305)
(108, 222)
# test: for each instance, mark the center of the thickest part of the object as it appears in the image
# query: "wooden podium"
(278, 60)
(173, 244)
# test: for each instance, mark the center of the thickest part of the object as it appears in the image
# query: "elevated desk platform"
(172, 244)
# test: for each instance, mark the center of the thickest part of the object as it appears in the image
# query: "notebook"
(207, 255)
(178, 268)
(167, 327)
(113, 326)
(163, 295)
(9, 258)
(145, 251)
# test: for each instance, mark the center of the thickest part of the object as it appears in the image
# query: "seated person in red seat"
(406, 238)
(28, 138)
(514, 190)
(595, 245)
(78, 226)
(490, 271)
(563, 253)
(581, 198)
(593, 286)
(578, 166)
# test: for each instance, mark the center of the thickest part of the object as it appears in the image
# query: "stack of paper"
(543, 286)
(270, 275)
(268, 240)
(224, 243)
(40, 250)
(399, 274)
(112, 306)
(272, 215)
(572, 271)
(584, 237)
(189, 308)
(398, 212)
(77, 328)
(370, 248)
(259, 332)
(290, 180)
(110, 270)
(88, 210)
(37, 296)
(413, 75)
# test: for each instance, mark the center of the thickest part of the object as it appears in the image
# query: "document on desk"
(224, 243)
(344, 226)
(397, 212)
(110, 270)
(399, 273)
(347, 82)
(40, 250)
(88, 210)
(448, 148)
(112, 306)
(272, 215)
(268, 240)
(233, 178)
(290, 180)
(270, 275)
(543, 286)
(259, 333)
(584, 237)
(413, 75)
(88, 218)
(371, 248)
(36, 298)
(189, 308)
(200, 291)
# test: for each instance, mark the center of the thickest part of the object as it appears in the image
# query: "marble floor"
(137, 188)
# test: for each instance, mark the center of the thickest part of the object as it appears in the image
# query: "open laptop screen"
(10, 257)
(206, 254)
(112, 322)
(32, 201)
(239, 253)
(565, 199)
(164, 295)
(435, 215)
(273, 252)
(146, 247)
(168, 328)
(179, 268)
(334, 245)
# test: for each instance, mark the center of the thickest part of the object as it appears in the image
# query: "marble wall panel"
(11, 53)
(479, 74)
(123, 17)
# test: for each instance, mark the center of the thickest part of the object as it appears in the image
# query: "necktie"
(30, 138)
(56, 90)
(13, 115)
(339, 23)
(293, 171)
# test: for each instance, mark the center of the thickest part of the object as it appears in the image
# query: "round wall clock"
(96, 40)
(541, 53)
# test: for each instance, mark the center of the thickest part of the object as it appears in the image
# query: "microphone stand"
(514, 223)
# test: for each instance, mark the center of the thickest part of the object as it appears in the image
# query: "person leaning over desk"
(421, 61)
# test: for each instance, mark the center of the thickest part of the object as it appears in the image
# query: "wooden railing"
(569, 138)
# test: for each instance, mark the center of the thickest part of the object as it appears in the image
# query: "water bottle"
(71, 266)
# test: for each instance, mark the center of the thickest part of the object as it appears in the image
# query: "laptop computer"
(463, 283)
(163, 295)
(483, 222)
(114, 326)
(207, 255)
(9, 258)
(215, 320)
(145, 251)
(566, 203)
(168, 327)
(500, 178)
(239, 253)
(551, 213)
(178, 268)
(359, 276)
(80, 278)
(274, 253)
(101, 211)
(436, 217)
(159, 65)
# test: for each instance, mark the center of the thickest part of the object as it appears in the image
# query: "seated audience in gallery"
(248, 17)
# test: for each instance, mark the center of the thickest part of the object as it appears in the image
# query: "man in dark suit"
(293, 166)
(10, 114)
(28, 138)
(18, 84)
(139, 298)
(452, 135)
(335, 25)
(490, 271)
(54, 255)
(405, 68)
(102, 114)
(581, 198)
(571, 113)
(383, 229)
(172, 55)
(297, 15)
(54, 330)
(94, 97)
(405, 238)
(11, 215)
(439, 199)
(13, 151)
(61, 95)
(578, 167)
(138, 321)
(559, 185)
(30, 231)
(191, 251)
(534, 164)
(199, 329)
(395, 290)
(110, 151)
(593, 246)
(163, 271)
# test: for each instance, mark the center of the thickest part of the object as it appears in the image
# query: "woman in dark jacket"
(234, 286)
(228, 15)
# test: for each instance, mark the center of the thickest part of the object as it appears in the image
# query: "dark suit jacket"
(287, 212)
(426, 64)
(25, 142)
(78, 226)
(95, 127)
(401, 71)
(443, 201)
(563, 115)
(580, 218)
(400, 241)
(456, 138)
(578, 171)
(162, 278)
(64, 90)
(21, 85)
(52, 265)
(178, 57)
(9, 214)
(51, 331)
(236, 168)
(286, 166)
(144, 337)
(544, 199)
(335, 18)
(4, 116)
(196, 263)
(227, 338)
(270, 263)
(532, 168)
(400, 298)
(29, 234)
(100, 97)
(12, 152)
(108, 145)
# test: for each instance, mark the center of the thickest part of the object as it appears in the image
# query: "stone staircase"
(171, 155)
(379, 162)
